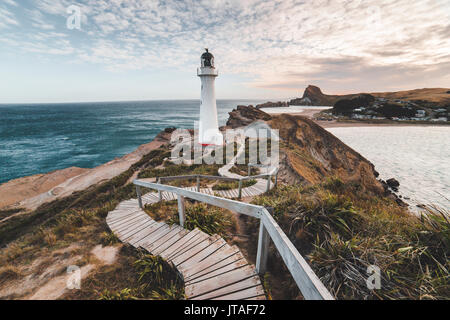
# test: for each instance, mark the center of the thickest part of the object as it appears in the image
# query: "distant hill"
(313, 96)
(437, 96)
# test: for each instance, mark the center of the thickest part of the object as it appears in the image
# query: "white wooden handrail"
(272, 173)
(307, 281)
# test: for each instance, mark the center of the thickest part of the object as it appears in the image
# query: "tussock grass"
(209, 219)
(242, 170)
(9, 212)
(136, 275)
(9, 272)
(341, 231)
(171, 169)
(233, 185)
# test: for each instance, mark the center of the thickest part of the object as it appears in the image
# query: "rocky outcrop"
(244, 115)
(393, 183)
(311, 154)
(313, 96)
(270, 104)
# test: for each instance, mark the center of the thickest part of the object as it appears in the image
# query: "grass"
(171, 169)
(341, 231)
(136, 275)
(233, 185)
(209, 219)
(79, 218)
(9, 212)
(242, 170)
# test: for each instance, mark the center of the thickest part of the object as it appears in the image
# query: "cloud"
(7, 19)
(276, 44)
(38, 20)
(10, 2)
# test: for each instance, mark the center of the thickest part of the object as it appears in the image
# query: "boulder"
(393, 183)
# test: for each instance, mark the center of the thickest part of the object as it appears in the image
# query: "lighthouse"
(209, 133)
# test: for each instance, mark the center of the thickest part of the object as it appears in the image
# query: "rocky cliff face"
(244, 115)
(310, 154)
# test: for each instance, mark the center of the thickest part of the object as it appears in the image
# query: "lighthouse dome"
(207, 59)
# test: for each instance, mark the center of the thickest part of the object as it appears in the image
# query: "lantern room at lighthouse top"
(207, 65)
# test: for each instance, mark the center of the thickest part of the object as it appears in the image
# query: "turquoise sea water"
(44, 137)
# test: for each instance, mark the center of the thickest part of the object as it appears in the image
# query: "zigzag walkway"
(211, 268)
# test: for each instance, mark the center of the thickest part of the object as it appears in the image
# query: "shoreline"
(29, 192)
(309, 113)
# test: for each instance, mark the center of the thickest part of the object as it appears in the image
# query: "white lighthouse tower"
(209, 133)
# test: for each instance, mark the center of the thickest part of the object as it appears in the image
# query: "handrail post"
(198, 183)
(249, 170)
(240, 189)
(181, 210)
(139, 195)
(263, 249)
(159, 191)
(268, 183)
(276, 179)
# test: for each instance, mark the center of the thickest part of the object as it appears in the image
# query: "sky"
(92, 50)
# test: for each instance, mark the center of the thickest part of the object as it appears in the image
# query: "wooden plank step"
(195, 259)
(198, 288)
(125, 222)
(123, 235)
(179, 245)
(195, 251)
(261, 297)
(245, 192)
(197, 238)
(158, 235)
(169, 243)
(121, 214)
(176, 232)
(231, 288)
(113, 218)
(200, 239)
(128, 235)
(249, 293)
(130, 224)
(223, 256)
(138, 239)
(128, 206)
(236, 264)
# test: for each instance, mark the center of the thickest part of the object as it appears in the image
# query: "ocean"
(417, 156)
(39, 138)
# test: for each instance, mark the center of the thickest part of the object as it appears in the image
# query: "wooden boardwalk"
(211, 268)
